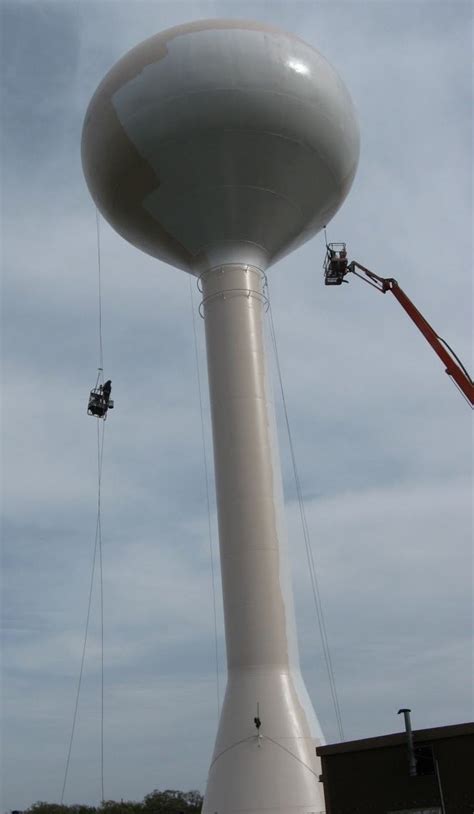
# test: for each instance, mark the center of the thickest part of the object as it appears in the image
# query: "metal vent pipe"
(410, 746)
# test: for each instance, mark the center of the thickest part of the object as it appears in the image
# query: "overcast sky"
(381, 435)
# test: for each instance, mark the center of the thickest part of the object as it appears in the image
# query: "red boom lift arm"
(454, 367)
(336, 267)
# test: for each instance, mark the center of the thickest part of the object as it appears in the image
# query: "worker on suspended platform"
(100, 401)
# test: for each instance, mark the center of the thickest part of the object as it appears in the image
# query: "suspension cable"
(206, 477)
(97, 554)
(307, 539)
(97, 549)
(99, 515)
(99, 278)
(101, 580)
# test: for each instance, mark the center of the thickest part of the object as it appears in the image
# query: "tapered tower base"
(274, 768)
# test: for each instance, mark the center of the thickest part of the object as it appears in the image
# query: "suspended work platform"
(99, 401)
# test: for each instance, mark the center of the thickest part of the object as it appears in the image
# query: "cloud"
(379, 431)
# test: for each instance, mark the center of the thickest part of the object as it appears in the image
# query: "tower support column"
(272, 768)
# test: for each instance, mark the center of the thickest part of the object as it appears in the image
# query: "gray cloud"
(379, 431)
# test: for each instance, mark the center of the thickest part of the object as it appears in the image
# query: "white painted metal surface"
(219, 147)
(220, 132)
(274, 768)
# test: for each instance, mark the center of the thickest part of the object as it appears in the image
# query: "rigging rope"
(101, 578)
(97, 552)
(100, 452)
(206, 476)
(99, 276)
(97, 549)
(262, 737)
(307, 539)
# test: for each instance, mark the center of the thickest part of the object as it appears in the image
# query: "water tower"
(219, 147)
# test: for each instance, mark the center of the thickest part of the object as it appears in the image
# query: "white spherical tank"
(220, 134)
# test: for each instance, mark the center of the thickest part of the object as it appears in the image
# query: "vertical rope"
(100, 446)
(97, 552)
(97, 544)
(101, 348)
(99, 525)
(309, 553)
(99, 483)
(206, 475)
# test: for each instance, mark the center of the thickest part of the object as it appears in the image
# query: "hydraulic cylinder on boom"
(337, 267)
